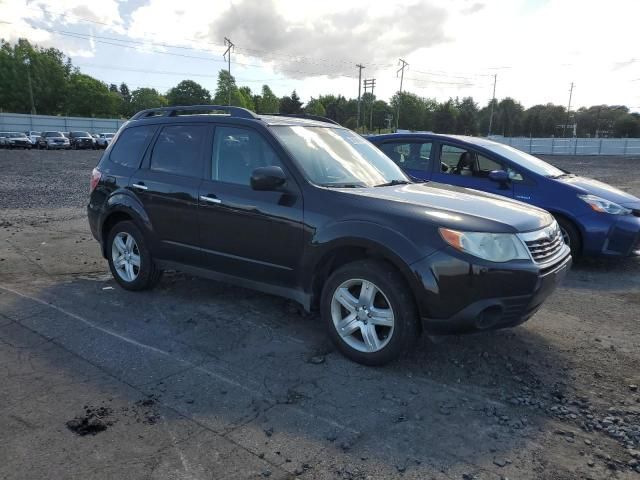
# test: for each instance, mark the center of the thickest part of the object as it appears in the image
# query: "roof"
(479, 141)
(213, 111)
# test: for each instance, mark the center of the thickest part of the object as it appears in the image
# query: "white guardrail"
(573, 146)
(17, 122)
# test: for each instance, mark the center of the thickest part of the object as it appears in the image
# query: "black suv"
(311, 211)
(80, 140)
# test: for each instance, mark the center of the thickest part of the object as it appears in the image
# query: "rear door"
(168, 185)
(412, 155)
(256, 235)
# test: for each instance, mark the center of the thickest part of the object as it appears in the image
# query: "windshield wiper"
(567, 174)
(394, 182)
(343, 185)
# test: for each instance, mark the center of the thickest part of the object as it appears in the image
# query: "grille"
(546, 246)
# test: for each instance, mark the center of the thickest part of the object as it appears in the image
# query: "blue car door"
(466, 167)
(413, 155)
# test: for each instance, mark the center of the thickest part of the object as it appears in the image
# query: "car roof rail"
(304, 115)
(175, 111)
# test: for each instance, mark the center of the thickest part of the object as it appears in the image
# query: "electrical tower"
(566, 123)
(370, 84)
(401, 72)
(229, 44)
(360, 67)
(493, 100)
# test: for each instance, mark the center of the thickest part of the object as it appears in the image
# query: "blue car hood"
(601, 189)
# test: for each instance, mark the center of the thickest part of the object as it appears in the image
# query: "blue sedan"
(596, 219)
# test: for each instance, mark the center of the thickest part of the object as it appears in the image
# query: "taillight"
(95, 178)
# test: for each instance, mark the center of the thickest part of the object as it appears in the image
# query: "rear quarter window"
(131, 145)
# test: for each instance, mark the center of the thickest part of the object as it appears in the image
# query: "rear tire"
(369, 312)
(571, 236)
(130, 261)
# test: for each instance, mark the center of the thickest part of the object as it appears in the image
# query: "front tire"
(130, 261)
(571, 236)
(369, 312)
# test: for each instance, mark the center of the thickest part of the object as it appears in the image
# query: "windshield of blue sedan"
(527, 161)
(337, 157)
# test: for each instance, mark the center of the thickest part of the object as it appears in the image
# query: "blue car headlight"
(602, 205)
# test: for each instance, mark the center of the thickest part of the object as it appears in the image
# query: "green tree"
(247, 98)
(48, 70)
(315, 107)
(445, 117)
(188, 92)
(143, 98)
(268, 102)
(627, 125)
(467, 119)
(89, 97)
(227, 92)
(291, 104)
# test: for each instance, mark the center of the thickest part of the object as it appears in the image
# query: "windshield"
(337, 157)
(18, 135)
(527, 161)
(53, 134)
(80, 134)
(109, 135)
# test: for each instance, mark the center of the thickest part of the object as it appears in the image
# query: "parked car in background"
(4, 136)
(596, 219)
(33, 136)
(81, 140)
(306, 209)
(53, 140)
(104, 139)
(18, 140)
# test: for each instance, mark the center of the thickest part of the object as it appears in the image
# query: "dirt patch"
(94, 421)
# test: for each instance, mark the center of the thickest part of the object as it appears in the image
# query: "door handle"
(140, 186)
(206, 198)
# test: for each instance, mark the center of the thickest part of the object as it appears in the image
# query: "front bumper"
(610, 235)
(462, 297)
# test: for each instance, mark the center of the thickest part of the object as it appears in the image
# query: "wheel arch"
(122, 207)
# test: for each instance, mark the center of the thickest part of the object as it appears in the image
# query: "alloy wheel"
(125, 256)
(362, 315)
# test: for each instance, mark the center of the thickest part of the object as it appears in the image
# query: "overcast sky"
(536, 47)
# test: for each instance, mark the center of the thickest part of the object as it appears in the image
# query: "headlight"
(604, 206)
(495, 247)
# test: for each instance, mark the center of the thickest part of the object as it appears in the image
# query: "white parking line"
(196, 367)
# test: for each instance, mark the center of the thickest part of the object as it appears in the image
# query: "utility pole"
(229, 44)
(371, 83)
(27, 62)
(566, 123)
(493, 100)
(401, 72)
(360, 67)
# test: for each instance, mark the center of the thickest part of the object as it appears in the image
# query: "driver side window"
(466, 162)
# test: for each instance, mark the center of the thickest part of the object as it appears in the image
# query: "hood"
(462, 208)
(594, 187)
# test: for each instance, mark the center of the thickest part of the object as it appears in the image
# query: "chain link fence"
(573, 146)
(16, 122)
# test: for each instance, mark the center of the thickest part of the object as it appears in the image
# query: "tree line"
(44, 80)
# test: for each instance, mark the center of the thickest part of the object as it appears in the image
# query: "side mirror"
(267, 178)
(499, 176)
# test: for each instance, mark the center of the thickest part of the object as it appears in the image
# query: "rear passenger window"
(178, 150)
(237, 152)
(131, 144)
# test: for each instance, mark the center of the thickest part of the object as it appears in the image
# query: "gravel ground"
(197, 379)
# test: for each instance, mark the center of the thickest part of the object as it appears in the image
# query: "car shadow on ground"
(609, 274)
(251, 368)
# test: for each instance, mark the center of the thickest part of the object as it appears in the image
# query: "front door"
(256, 235)
(467, 167)
(168, 186)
